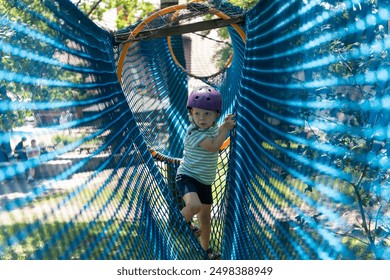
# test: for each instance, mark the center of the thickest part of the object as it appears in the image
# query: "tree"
(224, 52)
(365, 183)
(128, 11)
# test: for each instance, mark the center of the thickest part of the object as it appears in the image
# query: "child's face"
(204, 118)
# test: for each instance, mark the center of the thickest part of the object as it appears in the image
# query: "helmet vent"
(208, 98)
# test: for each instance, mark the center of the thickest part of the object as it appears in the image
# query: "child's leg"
(192, 205)
(204, 218)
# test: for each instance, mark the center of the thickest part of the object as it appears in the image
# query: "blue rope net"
(306, 173)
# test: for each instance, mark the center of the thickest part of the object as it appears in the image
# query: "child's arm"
(213, 144)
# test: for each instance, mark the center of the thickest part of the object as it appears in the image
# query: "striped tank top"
(197, 162)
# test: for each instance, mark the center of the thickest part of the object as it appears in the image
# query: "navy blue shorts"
(186, 184)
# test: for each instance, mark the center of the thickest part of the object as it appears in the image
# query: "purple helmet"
(205, 97)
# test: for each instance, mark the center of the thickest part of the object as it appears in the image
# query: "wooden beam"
(180, 29)
(167, 3)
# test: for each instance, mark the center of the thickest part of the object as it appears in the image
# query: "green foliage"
(65, 139)
(244, 4)
(223, 54)
(366, 182)
(19, 62)
(129, 11)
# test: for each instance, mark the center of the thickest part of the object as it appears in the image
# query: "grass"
(90, 223)
(96, 242)
(116, 239)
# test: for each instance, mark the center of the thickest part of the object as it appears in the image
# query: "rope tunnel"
(304, 175)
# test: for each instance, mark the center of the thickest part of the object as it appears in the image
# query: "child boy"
(197, 170)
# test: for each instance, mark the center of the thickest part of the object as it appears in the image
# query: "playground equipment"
(303, 176)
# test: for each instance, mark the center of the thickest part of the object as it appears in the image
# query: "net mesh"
(305, 175)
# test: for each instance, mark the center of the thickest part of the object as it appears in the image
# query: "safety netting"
(304, 175)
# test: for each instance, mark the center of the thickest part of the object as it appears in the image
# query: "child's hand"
(229, 121)
(214, 144)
